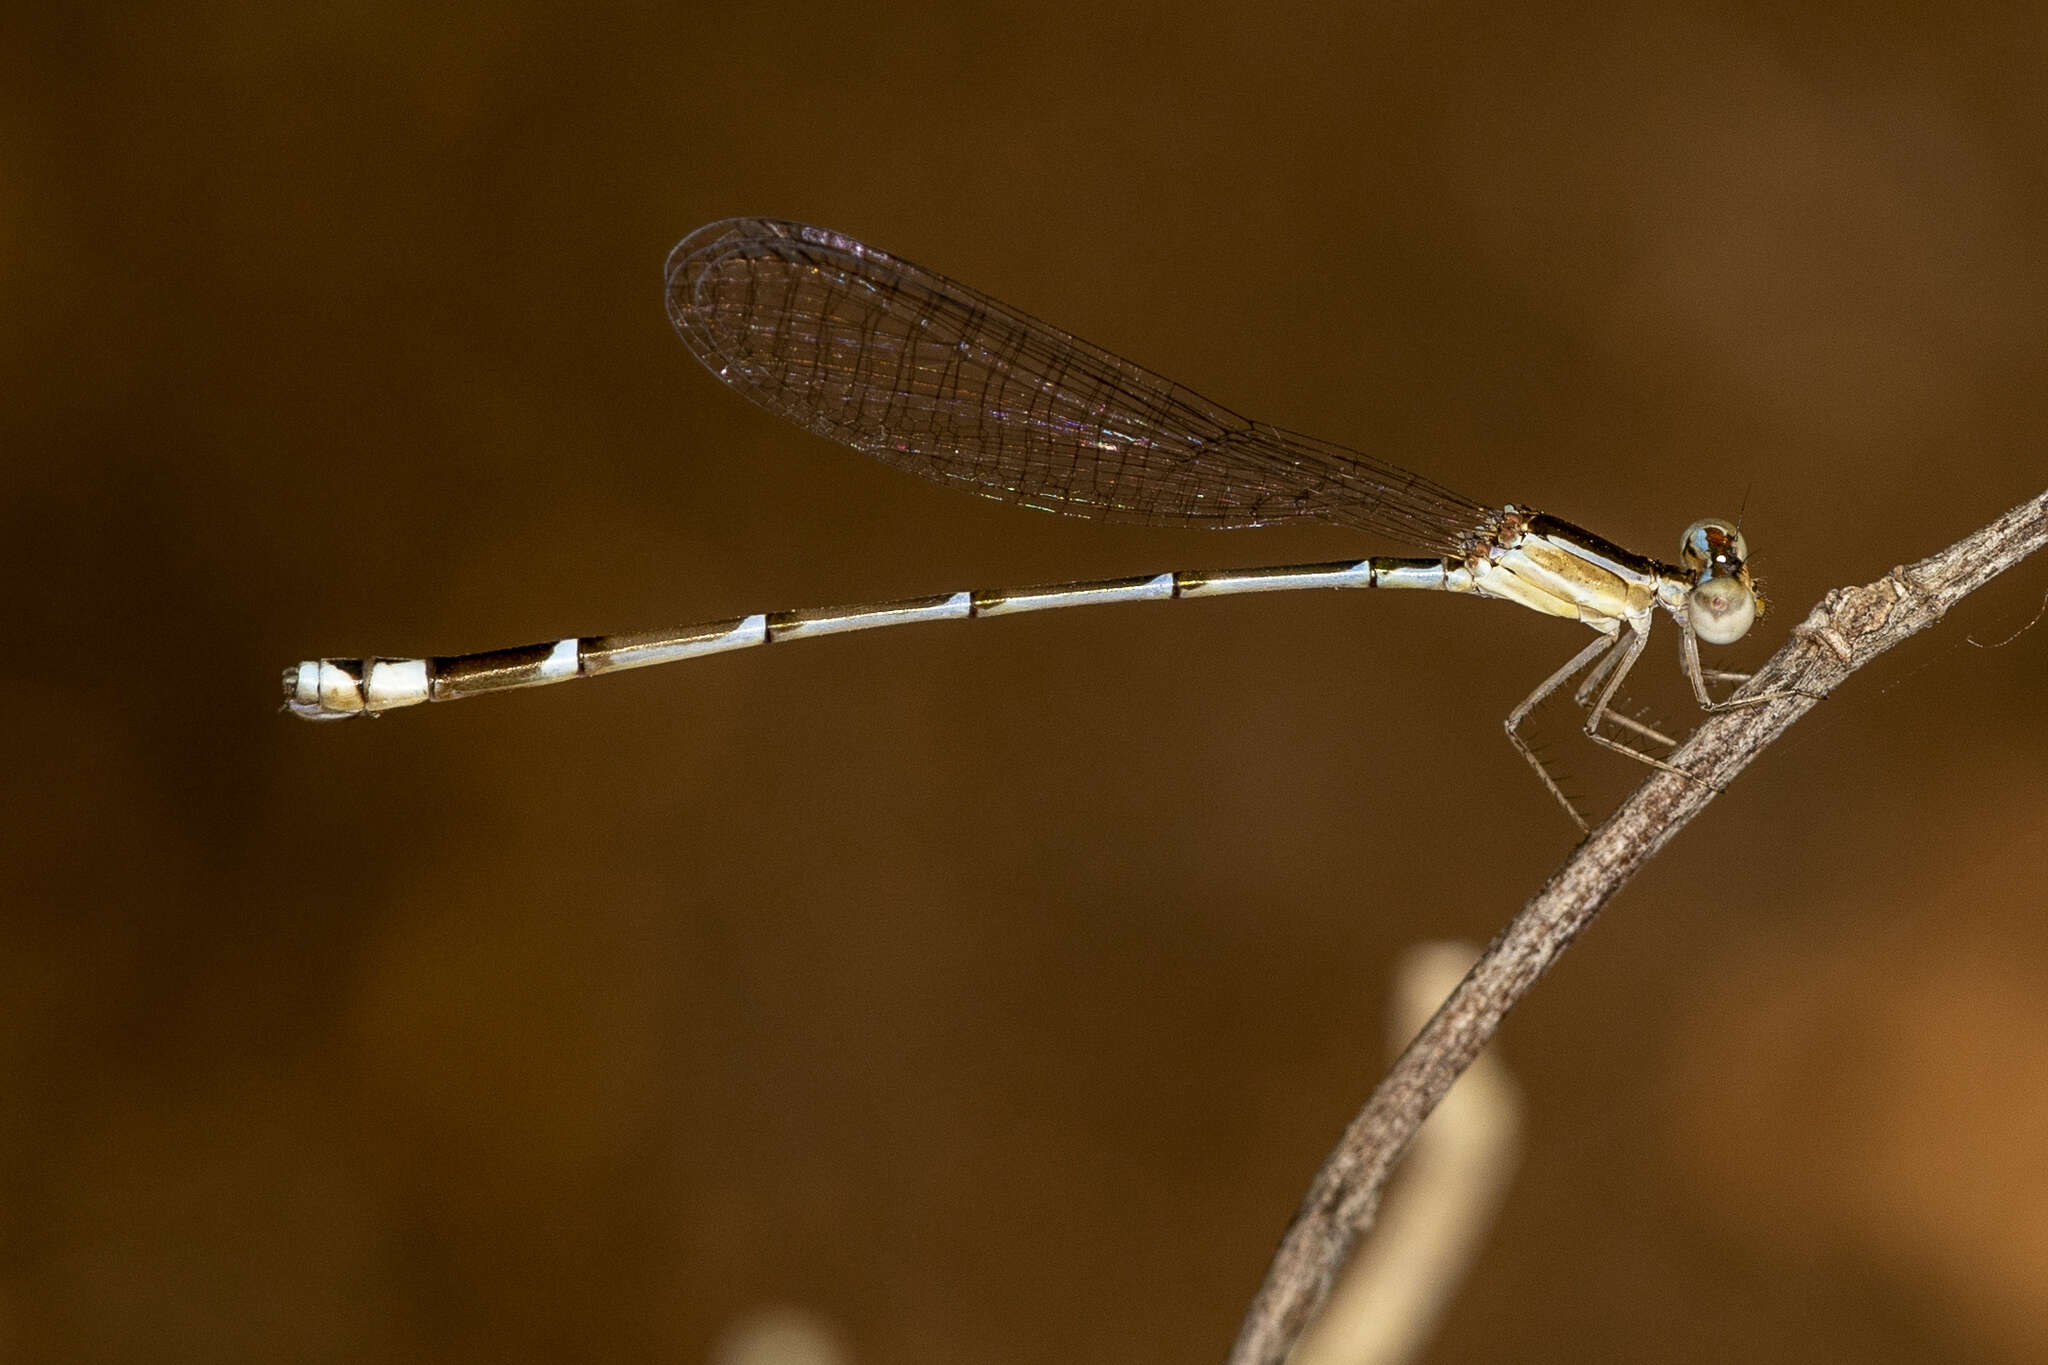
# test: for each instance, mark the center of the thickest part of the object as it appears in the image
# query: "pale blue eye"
(1711, 540)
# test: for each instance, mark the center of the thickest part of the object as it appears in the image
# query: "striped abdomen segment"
(334, 689)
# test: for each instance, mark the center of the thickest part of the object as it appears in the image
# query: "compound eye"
(1710, 541)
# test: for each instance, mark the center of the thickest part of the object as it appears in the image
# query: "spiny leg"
(1628, 651)
(1582, 696)
(1636, 727)
(1617, 667)
(1583, 693)
(1529, 703)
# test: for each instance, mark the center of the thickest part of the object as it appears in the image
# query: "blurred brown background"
(989, 991)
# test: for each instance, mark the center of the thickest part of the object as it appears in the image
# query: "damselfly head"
(1723, 604)
(1711, 545)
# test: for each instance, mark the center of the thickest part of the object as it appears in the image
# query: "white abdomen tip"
(335, 689)
(297, 695)
(318, 689)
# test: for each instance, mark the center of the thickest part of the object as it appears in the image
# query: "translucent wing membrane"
(945, 382)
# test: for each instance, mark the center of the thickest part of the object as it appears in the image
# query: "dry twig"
(1849, 628)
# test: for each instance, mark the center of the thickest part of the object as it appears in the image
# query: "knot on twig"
(1820, 625)
(1866, 610)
